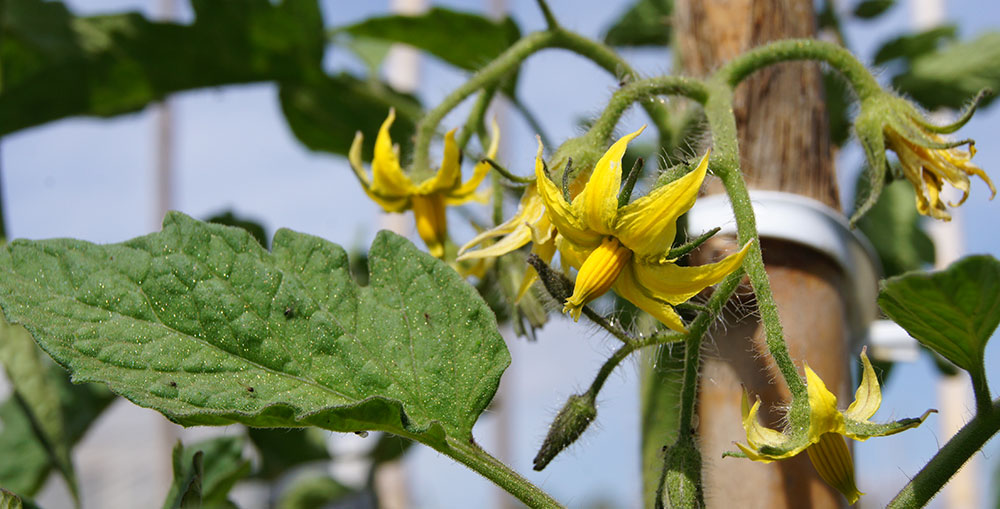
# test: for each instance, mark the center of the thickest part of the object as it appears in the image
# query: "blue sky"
(93, 179)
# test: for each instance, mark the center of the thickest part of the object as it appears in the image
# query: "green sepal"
(868, 126)
(863, 430)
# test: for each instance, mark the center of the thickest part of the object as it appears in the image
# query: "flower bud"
(569, 424)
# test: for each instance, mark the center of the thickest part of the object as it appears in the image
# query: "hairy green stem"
(725, 165)
(480, 461)
(842, 60)
(968, 441)
(624, 351)
(532, 43)
(643, 91)
(981, 389)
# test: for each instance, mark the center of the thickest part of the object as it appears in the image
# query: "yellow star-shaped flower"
(624, 248)
(823, 438)
(393, 190)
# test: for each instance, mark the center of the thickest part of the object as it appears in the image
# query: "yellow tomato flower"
(823, 440)
(624, 248)
(929, 167)
(529, 224)
(393, 190)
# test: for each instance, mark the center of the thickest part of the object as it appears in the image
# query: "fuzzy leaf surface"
(203, 325)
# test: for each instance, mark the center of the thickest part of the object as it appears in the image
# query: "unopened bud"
(578, 412)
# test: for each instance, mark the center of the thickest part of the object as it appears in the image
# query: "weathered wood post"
(784, 146)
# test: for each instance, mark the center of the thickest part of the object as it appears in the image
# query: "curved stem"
(623, 352)
(640, 91)
(940, 469)
(857, 75)
(725, 165)
(480, 461)
(601, 55)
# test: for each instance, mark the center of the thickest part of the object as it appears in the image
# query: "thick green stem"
(857, 75)
(725, 165)
(968, 441)
(532, 43)
(480, 461)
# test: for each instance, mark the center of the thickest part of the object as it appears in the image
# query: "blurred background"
(215, 150)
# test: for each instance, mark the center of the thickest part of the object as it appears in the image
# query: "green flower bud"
(569, 424)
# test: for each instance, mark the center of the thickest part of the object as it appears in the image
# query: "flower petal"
(561, 213)
(675, 284)
(432, 225)
(628, 288)
(868, 397)
(833, 463)
(529, 210)
(598, 202)
(823, 414)
(389, 204)
(648, 225)
(388, 179)
(449, 174)
(757, 434)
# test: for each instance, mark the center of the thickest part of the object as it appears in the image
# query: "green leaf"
(950, 77)
(185, 492)
(120, 63)
(869, 9)
(911, 46)
(36, 391)
(204, 473)
(646, 23)
(27, 461)
(203, 325)
(953, 312)
(313, 492)
(282, 449)
(893, 227)
(325, 113)
(465, 40)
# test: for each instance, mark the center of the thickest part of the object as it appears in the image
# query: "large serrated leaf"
(202, 324)
(55, 65)
(953, 312)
